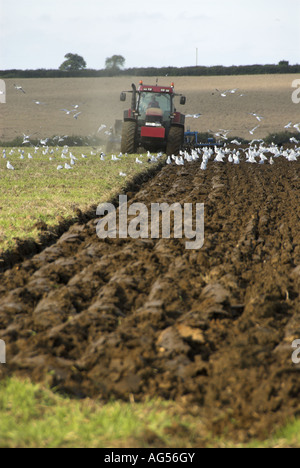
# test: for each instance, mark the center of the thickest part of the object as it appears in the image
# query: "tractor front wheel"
(175, 140)
(128, 143)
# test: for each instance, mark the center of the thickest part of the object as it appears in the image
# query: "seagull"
(101, 128)
(121, 174)
(297, 126)
(203, 165)
(253, 130)
(9, 166)
(59, 168)
(38, 103)
(179, 161)
(293, 140)
(114, 158)
(236, 159)
(138, 161)
(224, 93)
(68, 112)
(258, 117)
(19, 88)
(288, 125)
(194, 116)
(169, 160)
(76, 115)
(67, 166)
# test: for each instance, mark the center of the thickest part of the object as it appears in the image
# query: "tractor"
(152, 122)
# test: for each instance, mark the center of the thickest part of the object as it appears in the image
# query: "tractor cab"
(152, 120)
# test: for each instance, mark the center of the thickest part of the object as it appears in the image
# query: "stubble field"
(98, 99)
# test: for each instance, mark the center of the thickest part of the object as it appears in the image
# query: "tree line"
(75, 67)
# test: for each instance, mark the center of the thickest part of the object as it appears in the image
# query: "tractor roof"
(156, 89)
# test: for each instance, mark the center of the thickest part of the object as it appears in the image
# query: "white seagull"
(9, 166)
(19, 88)
(258, 117)
(253, 130)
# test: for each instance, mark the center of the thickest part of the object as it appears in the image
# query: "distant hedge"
(217, 70)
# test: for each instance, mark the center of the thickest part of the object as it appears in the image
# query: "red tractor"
(152, 122)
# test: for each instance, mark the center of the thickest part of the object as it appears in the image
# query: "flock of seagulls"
(74, 112)
(67, 160)
(253, 154)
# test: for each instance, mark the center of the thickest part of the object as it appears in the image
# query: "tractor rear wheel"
(128, 143)
(175, 140)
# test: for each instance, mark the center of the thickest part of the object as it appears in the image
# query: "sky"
(38, 33)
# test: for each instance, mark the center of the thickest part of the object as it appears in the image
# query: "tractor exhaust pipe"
(133, 101)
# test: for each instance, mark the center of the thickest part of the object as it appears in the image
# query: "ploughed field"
(211, 328)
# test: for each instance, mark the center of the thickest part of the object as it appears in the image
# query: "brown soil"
(211, 329)
(99, 99)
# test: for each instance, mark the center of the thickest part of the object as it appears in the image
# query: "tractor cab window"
(154, 101)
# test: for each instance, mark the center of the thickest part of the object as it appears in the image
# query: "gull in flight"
(258, 117)
(39, 103)
(224, 93)
(253, 130)
(68, 112)
(194, 116)
(19, 88)
(26, 139)
(288, 125)
(101, 128)
(297, 126)
(77, 115)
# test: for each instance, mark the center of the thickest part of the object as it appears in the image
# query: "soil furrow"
(212, 328)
